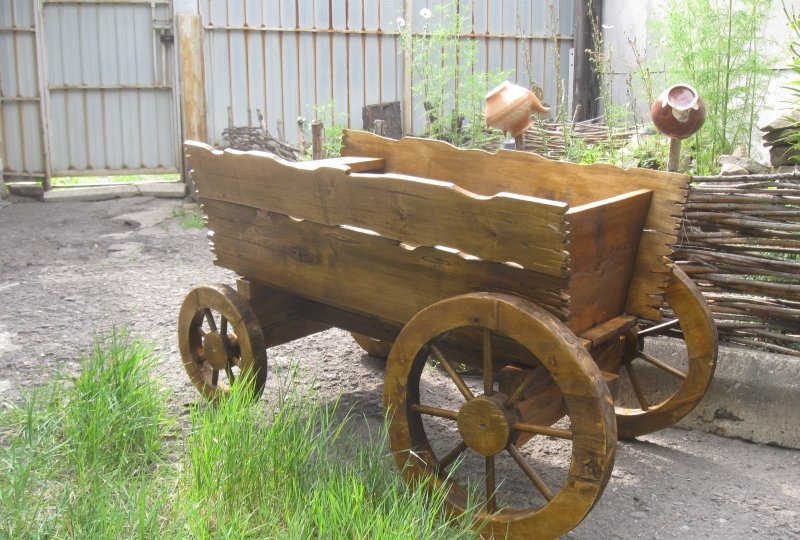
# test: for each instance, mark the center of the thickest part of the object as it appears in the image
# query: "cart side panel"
(604, 238)
(363, 273)
(481, 172)
(504, 228)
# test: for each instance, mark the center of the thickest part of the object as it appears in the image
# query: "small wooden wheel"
(373, 347)
(460, 434)
(220, 340)
(678, 381)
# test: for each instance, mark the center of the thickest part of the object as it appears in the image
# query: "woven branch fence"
(741, 244)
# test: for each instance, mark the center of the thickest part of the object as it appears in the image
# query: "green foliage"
(192, 219)
(794, 85)
(334, 125)
(452, 90)
(717, 47)
(91, 457)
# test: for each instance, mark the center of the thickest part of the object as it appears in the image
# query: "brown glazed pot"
(679, 111)
(509, 108)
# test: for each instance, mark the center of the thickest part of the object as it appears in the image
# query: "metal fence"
(284, 57)
(87, 87)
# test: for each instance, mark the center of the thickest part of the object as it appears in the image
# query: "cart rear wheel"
(373, 347)
(458, 433)
(220, 341)
(664, 386)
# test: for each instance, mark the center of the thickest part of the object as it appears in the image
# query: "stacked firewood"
(782, 136)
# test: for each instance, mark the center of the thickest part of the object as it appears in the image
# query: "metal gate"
(87, 88)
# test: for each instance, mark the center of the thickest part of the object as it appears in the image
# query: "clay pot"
(679, 111)
(509, 108)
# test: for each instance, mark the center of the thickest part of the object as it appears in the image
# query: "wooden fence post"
(317, 139)
(192, 72)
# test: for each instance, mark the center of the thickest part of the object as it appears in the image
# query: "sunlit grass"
(98, 455)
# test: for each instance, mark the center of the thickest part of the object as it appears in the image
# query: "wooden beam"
(192, 72)
(586, 85)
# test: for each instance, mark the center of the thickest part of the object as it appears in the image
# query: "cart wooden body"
(537, 273)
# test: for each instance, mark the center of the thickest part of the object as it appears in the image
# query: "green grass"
(99, 456)
(116, 179)
(193, 219)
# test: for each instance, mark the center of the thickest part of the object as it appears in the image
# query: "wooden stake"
(674, 154)
(317, 139)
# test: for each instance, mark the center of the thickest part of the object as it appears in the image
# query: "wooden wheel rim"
(224, 303)
(700, 336)
(585, 394)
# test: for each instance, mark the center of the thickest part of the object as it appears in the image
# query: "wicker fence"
(741, 245)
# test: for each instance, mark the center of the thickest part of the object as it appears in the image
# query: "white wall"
(627, 19)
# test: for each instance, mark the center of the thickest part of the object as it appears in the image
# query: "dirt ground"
(71, 270)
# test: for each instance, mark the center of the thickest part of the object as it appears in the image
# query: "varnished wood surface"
(592, 426)
(366, 274)
(528, 174)
(700, 337)
(604, 239)
(509, 227)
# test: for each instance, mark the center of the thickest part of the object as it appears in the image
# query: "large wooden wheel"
(459, 433)
(665, 385)
(220, 341)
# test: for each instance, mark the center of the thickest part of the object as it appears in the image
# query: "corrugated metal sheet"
(23, 148)
(94, 77)
(286, 57)
(110, 83)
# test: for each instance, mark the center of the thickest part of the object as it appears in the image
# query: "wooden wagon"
(527, 284)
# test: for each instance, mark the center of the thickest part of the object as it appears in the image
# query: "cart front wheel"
(221, 341)
(460, 433)
(665, 380)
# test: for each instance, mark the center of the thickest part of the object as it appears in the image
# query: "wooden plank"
(366, 274)
(505, 227)
(192, 71)
(604, 239)
(355, 164)
(529, 174)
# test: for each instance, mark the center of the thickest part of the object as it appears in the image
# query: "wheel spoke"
(229, 372)
(522, 387)
(451, 456)
(210, 320)
(214, 377)
(662, 365)
(491, 486)
(657, 329)
(459, 382)
(637, 386)
(488, 383)
(223, 331)
(530, 473)
(543, 430)
(435, 411)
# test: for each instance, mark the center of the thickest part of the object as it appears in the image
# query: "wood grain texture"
(367, 274)
(506, 227)
(604, 240)
(700, 336)
(582, 386)
(521, 172)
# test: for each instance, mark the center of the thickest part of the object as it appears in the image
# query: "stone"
(741, 165)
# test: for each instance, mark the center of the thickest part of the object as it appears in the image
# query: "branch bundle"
(741, 244)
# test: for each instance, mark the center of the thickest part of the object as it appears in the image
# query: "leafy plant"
(793, 139)
(333, 125)
(452, 90)
(193, 219)
(717, 47)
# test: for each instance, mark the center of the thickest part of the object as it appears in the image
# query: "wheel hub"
(215, 351)
(486, 424)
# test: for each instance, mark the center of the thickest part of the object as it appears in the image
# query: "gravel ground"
(71, 270)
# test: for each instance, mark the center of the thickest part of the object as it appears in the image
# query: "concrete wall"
(628, 19)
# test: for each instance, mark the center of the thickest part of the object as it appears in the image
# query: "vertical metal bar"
(44, 94)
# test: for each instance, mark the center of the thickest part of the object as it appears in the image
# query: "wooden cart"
(525, 282)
